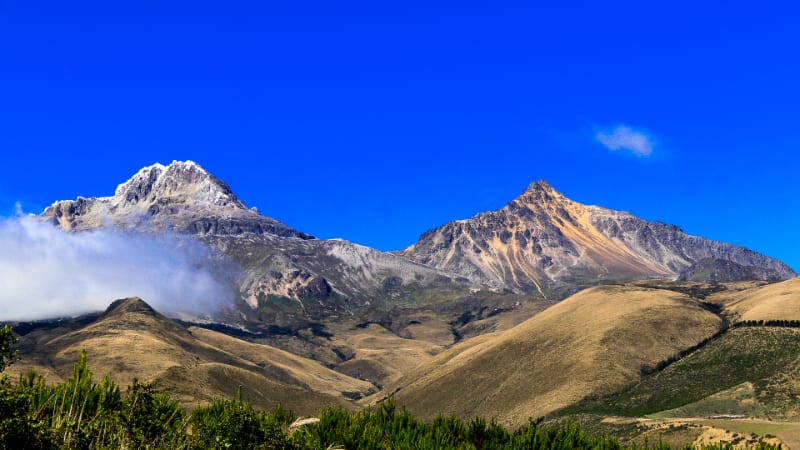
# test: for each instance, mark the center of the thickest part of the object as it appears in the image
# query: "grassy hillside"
(779, 301)
(475, 356)
(766, 357)
(81, 413)
(593, 343)
(131, 341)
(750, 369)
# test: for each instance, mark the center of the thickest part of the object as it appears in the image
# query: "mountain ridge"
(542, 242)
(319, 277)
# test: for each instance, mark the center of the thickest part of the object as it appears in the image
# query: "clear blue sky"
(376, 121)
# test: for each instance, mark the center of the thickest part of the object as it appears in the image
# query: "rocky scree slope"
(546, 244)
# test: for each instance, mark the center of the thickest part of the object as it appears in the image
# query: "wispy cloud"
(627, 139)
(46, 272)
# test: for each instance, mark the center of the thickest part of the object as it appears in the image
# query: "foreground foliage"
(82, 414)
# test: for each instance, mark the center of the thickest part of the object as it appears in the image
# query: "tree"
(7, 339)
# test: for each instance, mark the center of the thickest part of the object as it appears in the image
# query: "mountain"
(540, 244)
(480, 317)
(546, 244)
(131, 340)
(180, 197)
(287, 273)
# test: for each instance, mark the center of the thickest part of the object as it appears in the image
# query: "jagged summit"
(539, 192)
(276, 261)
(539, 185)
(181, 196)
(179, 181)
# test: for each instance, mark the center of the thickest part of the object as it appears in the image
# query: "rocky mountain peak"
(181, 196)
(540, 193)
(542, 242)
(178, 182)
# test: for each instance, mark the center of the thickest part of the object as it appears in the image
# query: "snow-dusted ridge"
(321, 275)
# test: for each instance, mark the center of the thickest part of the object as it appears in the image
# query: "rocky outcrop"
(544, 243)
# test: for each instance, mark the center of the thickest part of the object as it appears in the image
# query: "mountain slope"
(779, 301)
(131, 340)
(760, 362)
(615, 350)
(751, 369)
(319, 277)
(545, 243)
(593, 343)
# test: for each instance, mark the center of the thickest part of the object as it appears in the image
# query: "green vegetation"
(7, 339)
(81, 414)
(742, 354)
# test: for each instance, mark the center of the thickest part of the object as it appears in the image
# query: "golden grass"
(779, 301)
(380, 355)
(592, 343)
(198, 385)
(195, 364)
(298, 371)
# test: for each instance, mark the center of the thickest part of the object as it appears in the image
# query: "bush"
(235, 424)
(150, 419)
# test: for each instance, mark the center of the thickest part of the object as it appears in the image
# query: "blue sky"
(376, 121)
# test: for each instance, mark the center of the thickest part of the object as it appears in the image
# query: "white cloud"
(46, 272)
(626, 138)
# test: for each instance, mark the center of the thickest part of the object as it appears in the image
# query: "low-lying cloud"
(46, 272)
(625, 138)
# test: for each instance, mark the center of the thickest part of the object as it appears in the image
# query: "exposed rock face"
(540, 243)
(544, 243)
(720, 271)
(326, 276)
(182, 197)
(323, 277)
